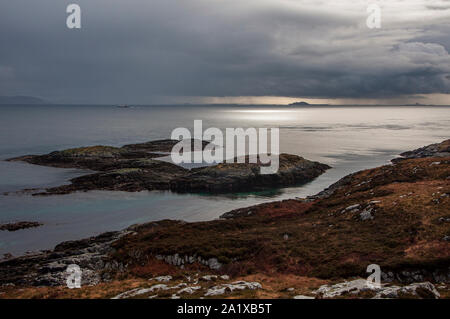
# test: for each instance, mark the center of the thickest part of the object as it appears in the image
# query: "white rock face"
(214, 264)
(209, 277)
(352, 207)
(140, 291)
(303, 297)
(189, 290)
(180, 261)
(180, 285)
(237, 285)
(131, 293)
(225, 277)
(355, 287)
(163, 278)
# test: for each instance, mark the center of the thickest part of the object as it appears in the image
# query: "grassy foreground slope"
(397, 216)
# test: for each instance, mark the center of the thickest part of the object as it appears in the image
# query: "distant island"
(303, 103)
(21, 100)
(299, 103)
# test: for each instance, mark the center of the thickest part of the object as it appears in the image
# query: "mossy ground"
(98, 151)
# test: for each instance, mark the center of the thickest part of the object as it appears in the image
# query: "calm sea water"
(347, 138)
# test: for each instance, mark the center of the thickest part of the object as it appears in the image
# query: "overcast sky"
(174, 51)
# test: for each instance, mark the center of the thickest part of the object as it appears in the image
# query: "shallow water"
(347, 138)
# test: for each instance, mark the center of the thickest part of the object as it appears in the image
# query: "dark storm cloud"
(137, 50)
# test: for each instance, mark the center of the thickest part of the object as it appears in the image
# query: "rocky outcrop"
(186, 289)
(408, 276)
(104, 158)
(134, 168)
(48, 268)
(434, 150)
(177, 260)
(145, 174)
(19, 225)
(361, 288)
(237, 285)
(246, 176)
(141, 291)
(438, 150)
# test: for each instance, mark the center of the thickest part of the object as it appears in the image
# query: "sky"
(226, 51)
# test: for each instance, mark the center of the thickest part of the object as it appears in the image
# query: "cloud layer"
(139, 50)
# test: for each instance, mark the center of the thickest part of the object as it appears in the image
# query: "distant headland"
(21, 100)
(299, 103)
(303, 103)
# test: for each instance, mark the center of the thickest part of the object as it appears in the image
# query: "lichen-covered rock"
(366, 215)
(238, 285)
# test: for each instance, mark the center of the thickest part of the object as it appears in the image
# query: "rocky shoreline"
(396, 216)
(48, 267)
(433, 150)
(135, 168)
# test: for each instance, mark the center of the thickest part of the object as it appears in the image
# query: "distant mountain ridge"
(21, 100)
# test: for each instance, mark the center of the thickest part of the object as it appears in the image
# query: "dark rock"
(225, 177)
(19, 225)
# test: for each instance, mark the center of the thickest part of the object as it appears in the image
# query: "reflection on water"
(347, 138)
(270, 193)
